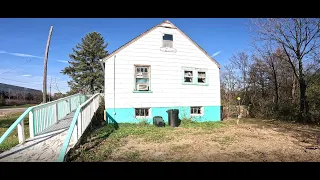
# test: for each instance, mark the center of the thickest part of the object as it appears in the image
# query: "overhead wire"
(27, 61)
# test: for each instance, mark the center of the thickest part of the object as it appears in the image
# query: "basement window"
(167, 40)
(142, 112)
(196, 110)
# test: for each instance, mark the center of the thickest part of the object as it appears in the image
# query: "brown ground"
(9, 111)
(251, 140)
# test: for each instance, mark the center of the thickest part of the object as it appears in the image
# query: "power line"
(22, 81)
(55, 80)
(27, 61)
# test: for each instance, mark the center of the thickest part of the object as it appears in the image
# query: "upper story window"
(142, 78)
(188, 76)
(167, 40)
(202, 77)
(196, 76)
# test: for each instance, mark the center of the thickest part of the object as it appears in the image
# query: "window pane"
(201, 80)
(141, 80)
(188, 73)
(202, 74)
(168, 37)
(138, 69)
(195, 110)
(188, 79)
(142, 111)
(146, 70)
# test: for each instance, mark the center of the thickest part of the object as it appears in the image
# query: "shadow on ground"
(98, 131)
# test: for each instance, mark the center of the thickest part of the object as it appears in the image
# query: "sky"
(23, 43)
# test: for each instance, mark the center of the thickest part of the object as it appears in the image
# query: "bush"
(143, 122)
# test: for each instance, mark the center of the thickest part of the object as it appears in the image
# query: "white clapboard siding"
(166, 74)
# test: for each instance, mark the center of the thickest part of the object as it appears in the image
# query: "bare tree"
(228, 86)
(272, 57)
(240, 62)
(299, 38)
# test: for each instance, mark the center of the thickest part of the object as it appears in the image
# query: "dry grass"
(251, 140)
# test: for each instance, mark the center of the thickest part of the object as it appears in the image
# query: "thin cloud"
(63, 61)
(216, 54)
(27, 75)
(24, 55)
(20, 54)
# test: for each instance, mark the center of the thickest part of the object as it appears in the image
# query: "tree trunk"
(276, 88)
(303, 87)
(293, 89)
(303, 100)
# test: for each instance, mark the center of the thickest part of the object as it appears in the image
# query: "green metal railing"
(44, 115)
(80, 122)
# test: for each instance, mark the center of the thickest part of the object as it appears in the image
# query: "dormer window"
(167, 40)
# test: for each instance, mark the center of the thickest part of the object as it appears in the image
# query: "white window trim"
(202, 111)
(140, 117)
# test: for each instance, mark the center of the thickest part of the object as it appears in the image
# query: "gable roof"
(154, 27)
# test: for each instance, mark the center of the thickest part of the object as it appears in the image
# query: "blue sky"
(23, 42)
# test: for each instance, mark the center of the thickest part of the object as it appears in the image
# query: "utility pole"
(44, 97)
(24, 94)
(50, 89)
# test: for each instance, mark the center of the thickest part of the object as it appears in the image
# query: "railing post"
(56, 113)
(94, 105)
(31, 126)
(80, 124)
(21, 132)
(75, 134)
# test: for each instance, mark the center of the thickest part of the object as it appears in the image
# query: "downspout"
(114, 87)
(103, 88)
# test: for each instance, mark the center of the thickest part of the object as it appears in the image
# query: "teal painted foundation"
(126, 115)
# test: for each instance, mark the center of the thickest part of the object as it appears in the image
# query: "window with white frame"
(188, 75)
(142, 78)
(167, 40)
(202, 76)
(142, 112)
(196, 110)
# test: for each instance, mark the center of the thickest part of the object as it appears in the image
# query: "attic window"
(167, 40)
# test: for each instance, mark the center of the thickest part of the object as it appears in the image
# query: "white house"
(161, 69)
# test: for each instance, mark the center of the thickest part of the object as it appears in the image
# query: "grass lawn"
(12, 140)
(18, 106)
(250, 140)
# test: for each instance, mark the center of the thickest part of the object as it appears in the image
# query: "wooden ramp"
(44, 147)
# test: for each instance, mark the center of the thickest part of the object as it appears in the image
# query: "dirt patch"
(249, 141)
(10, 111)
